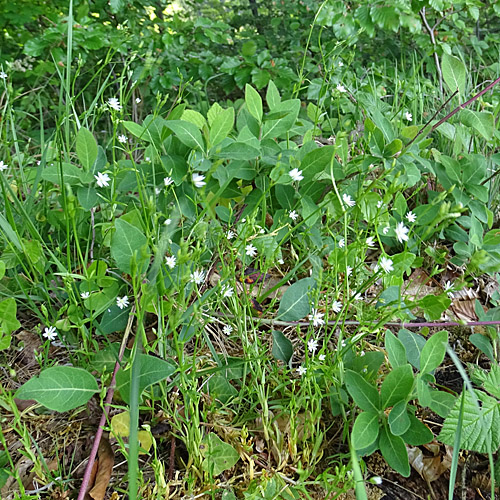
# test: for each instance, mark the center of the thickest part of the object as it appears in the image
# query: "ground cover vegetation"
(249, 249)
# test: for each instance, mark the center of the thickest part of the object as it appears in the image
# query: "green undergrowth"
(245, 257)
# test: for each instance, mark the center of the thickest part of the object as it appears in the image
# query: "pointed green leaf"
(365, 430)
(433, 352)
(453, 73)
(272, 96)
(393, 449)
(221, 126)
(86, 148)
(187, 133)
(218, 455)
(295, 303)
(482, 121)
(364, 394)
(418, 433)
(71, 174)
(282, 347)
(253, 102)
(126, 244)
(397, 385)
(60, 388)
(396, 351)
(399, 421)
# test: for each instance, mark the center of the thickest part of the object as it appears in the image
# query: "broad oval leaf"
(86, 148)
(60, 388)
(433, 352)
(71, 174)
(397, 385)
(253, 102)
(282, 347)
(221, 126)
(187, 133)
(365, 430)
(295, 303)
(364, 394)
(126, 244)
(152, 370)
(453, 73)
(396, 351)
(218, 455)
(394, 451)
(399, 421)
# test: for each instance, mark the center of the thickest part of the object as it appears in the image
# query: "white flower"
(341, 63)
(322, 357)
(348, 200)
(312, 345)
(102, 179)
(85, 295)
(250, 250)
(198, 277)
(380, 203)
(341, 243)
(357, 296)
(343, 343)
(316, 317)
(3, 75)
(228, 329)
(137, 100)
(230, 235)
(408, 116)
(114, 103)
(386, 264)
(337, 306)
(227, 291)
(168, 222)
(147, 158)
(370, 242)
(448, 288)
(198, 180)
(411, 217)
(386, 229)
(348, 271)
(281, 261)
(341, 88)
(362, 353)
(50, 333)
(301, 370)
(168, 180)
(122, 302)
(157, 190)
(296, 174)
(122, 138)
(170, 261)
(293, 215)
(3, 166)
(401, 232)
(376, 480)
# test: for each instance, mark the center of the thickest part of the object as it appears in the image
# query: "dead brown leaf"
(105, 468)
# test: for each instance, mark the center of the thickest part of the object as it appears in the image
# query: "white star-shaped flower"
(230, 235)
(409, 116)
(411, 217)
(370, 242)
(401, 232)
(250, 250)
(137, 100)
(316, 317)
(198, 180)
(168, 180)
(337, 306)
(301, 370)
(3, 75)
(122, 139)
(386, 264)
(198, 277)
(228, 329)
(114, 103)
(341, 88)
(122, 302)
(293, 215)
(3, 166)
(312, 345)
(50, 333)
(348, 200)
(341, 243)
(102, 179)
(170, 261)
(227, 291)
(296, 174)
(386, 229)
(85, 295)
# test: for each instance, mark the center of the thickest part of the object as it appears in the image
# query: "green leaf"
(397, 385)
(71, 174)
(86, 148)
(87, 196)
(116, 5)
(60, 388)
(399, 421)
(393, 148)
(413, 343)
(187, 133)
(282, 347)
(316, 161)
(152, 370)
(365, 430)
(482, 121)
(218, 455)
(8, 321)
(126, 244)
(453, 73)
(310, 210)
(363, 393)
(481, 423)
(221, 389)
(433, 352)
(418, 433)
(114, 319)
(396, 351)
(238, 151)
(294, 304)
(434, 306)
(492, 382)
(393, 449)
(272, 96)
(441, 402)
(253, 102)
(274, 128)
(135, 129)
(194, 117)
(221, 126)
